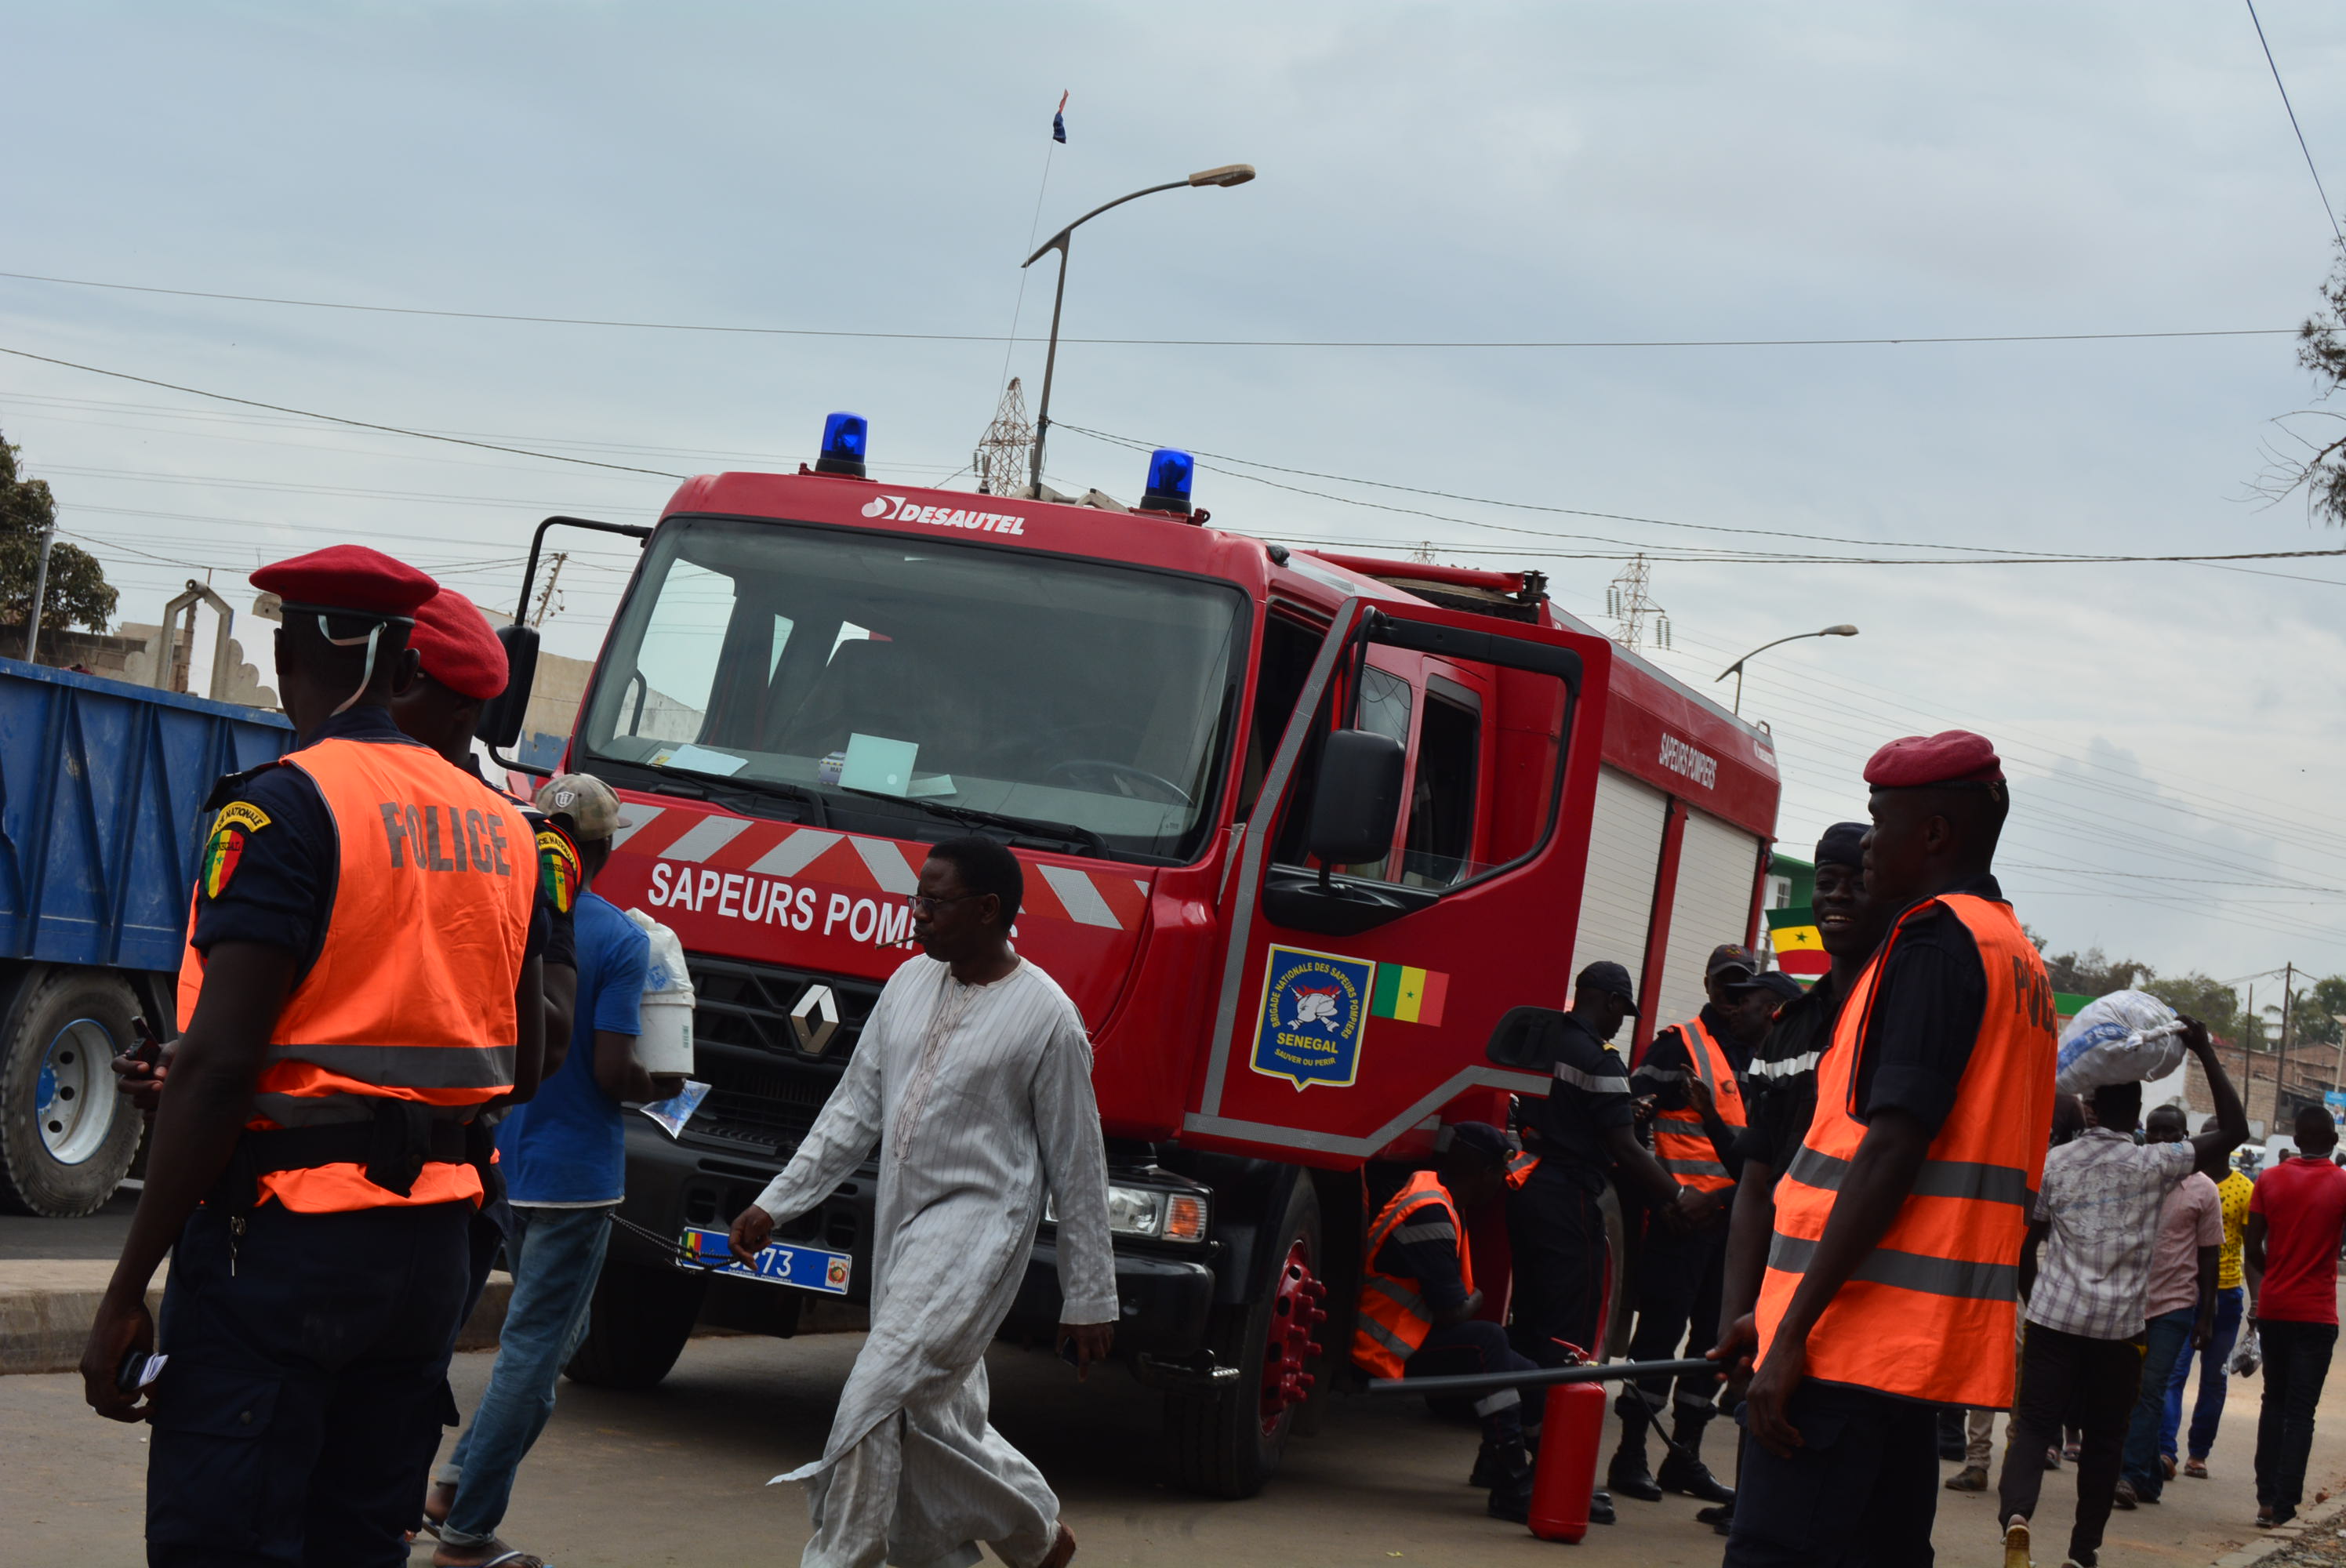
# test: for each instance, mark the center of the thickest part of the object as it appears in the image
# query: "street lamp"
(1736, 670)
(1229, 174)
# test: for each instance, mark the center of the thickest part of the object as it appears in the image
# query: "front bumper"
(1163, 1300)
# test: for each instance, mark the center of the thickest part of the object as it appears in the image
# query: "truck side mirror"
(1358, 802)
(501, 717)
(1527, 1039)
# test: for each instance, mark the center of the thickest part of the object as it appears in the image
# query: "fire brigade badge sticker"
(1314, 1006)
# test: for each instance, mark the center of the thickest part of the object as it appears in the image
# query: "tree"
(2315, 463)
(78, 593)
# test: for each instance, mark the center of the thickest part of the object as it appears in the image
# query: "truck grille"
(766, 1087)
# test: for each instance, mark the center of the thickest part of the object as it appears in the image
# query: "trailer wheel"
(1228, 1447)
(65, 1135)
(638, 1324)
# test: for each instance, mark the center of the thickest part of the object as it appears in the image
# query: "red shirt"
(2304, 1205)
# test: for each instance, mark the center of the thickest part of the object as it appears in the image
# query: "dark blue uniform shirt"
(1589, 1098)
(1928, 1005)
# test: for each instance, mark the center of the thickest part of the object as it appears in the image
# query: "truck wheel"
(636, 1328)
(1228, 1447)
(65, 1135)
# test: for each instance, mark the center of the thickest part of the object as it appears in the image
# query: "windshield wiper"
(746, 795)
(970, 817)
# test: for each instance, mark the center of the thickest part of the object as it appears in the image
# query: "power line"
(2328, 210)
(1913, 339)
(337, 419)
(1985, 555)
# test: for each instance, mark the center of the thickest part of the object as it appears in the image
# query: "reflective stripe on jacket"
(1930, 1313)
(1679, 1142)
(411, 993)
(1393, 1317)
(1520, 1165)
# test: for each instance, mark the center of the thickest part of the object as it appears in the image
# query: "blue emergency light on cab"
(1169, 472)
(843, 446)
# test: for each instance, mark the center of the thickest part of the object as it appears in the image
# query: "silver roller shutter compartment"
(1625, 854)
(1718, 865)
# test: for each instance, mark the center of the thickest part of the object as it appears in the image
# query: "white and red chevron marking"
(1111, 901)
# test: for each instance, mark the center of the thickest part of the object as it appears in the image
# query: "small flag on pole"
(1800, 946)
(1059, 120)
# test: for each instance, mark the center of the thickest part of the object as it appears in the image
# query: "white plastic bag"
(2250, 1356)
(665, 1043)
(2125, 1037)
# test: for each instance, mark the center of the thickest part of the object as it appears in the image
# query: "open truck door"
(1423, 817)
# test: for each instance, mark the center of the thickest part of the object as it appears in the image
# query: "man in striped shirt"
(975, 1075)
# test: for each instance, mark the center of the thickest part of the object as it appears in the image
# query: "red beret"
(347, 578)
(1950, 757)
(453, 639)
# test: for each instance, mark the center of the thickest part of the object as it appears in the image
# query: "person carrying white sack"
(974, 1075)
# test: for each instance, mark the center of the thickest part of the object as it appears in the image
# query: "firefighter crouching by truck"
(1418, 1311)
(361, 978)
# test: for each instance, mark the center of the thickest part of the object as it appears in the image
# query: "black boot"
(1628, 1474)
(1511, 1492)
(1689, 1475)
(1600, 1507)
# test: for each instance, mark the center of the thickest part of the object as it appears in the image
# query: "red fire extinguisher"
(1571, 1431)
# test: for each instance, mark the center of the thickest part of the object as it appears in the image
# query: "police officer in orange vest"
(1418, 1309)
(361, 978)
(1694, 1071)
(1893, 1263)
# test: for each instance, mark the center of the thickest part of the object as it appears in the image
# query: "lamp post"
(1736, 670)
(1229, 174)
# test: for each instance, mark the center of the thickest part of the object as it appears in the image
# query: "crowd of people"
(411, 1026)
(2067, 1260)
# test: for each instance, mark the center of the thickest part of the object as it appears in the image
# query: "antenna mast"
(1631, 607)
(1003, 452)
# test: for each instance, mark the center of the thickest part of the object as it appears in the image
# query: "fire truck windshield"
(964, 682)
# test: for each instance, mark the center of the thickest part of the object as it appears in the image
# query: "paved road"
(675, 1476)
(100, 1235)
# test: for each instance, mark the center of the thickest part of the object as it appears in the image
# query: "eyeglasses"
(921, 903)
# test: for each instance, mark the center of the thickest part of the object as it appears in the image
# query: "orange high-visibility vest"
(1679, 1142)
(1393, 1317)
(411, 994)
(1520, 1165)
(1930, 1314)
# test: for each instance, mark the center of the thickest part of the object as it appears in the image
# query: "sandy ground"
(675, 1475)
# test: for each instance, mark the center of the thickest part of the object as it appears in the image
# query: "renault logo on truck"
(814, 1020)
(894, 507)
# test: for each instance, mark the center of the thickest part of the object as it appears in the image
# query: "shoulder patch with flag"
(558, 870)
(225, 847)
(1800, 946)
(1409, 996)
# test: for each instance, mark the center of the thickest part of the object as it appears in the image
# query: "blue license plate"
(782, 1263)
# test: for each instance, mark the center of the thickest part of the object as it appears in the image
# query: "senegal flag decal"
(1800, 946)
(1409, 996)
(221, 853)
(558, 868)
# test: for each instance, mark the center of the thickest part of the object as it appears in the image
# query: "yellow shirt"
(2234, 1190)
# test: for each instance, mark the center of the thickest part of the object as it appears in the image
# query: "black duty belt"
(394, 1144)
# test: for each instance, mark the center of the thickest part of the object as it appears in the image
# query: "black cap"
(1776, 983)
(1731, 955)
(1606, 978)
(1843, 844)
(1493, 1143)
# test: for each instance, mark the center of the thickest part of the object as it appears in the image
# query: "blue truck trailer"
(102, 788)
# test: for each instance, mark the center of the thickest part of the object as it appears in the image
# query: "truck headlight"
(1151, 1214)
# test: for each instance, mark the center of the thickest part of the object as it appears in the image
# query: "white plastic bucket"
(665, 1046)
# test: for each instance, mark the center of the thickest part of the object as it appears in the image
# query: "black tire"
(1222, 1448)
(636, 1328)
(66, 1136)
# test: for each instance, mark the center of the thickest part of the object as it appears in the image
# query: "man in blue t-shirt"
(562, 1154)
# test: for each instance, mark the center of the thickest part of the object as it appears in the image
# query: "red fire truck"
(1298, 828)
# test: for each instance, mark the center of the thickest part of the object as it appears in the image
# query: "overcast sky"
(1454, 172)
